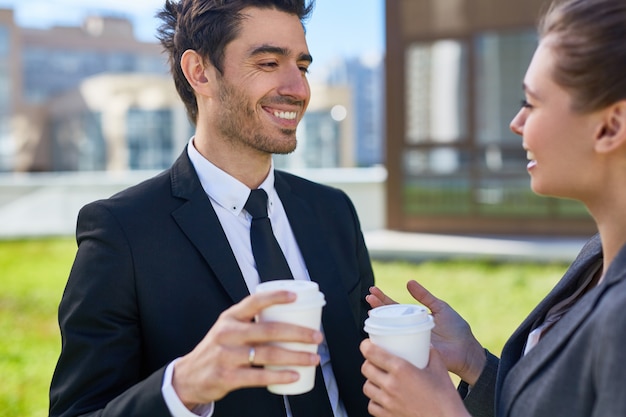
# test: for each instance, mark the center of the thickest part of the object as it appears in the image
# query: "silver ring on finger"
(251, 355)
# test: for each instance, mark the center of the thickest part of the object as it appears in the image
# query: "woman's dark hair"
(207, 26)
(589, 40)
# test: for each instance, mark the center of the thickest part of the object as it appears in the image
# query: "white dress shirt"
(228, 197)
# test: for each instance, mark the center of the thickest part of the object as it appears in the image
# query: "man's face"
(264, 92)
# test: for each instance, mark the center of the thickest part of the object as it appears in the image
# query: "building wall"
(58, 123)
(45, 70)
(364, 77)
(9, 88)
(71, 54)
(454, 72)
(118, 122)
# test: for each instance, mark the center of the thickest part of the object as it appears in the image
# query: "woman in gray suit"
(568, 358)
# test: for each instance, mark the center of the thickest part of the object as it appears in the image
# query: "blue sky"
(337, 28)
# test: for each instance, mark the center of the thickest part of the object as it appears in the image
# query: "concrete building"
(95, 98)
(10, 86)
(118, 122)
(364, 76)
(41, 69)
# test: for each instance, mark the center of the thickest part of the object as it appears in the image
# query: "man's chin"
(284, 150)
(287, 143)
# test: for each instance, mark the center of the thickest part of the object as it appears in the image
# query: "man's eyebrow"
(277, 50)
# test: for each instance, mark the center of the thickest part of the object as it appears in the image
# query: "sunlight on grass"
(33, 278)
(494, 298)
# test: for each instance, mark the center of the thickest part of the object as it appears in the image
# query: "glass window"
(93, 152)
(149, 139)
(321, 144)
(5, 81)
(437, 181)
(443, 160)
(151, 64)
(7, 145)
(495, 158)
(501, 62)
(318, 143)
(437, 196)
(436, 97)
(5, 42)
(5, 92)
(513, 197)
(77, 142)
(66, 68)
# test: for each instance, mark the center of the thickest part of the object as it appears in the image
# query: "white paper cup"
(402, 329)
(306, 311)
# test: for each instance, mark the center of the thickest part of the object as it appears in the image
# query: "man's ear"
(612, 133)
(196, 71)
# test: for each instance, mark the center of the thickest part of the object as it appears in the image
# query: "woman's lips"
(531, 157)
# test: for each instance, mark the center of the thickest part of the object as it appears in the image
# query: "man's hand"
(220, 363)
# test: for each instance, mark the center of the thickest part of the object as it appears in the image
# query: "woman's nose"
(517, 124)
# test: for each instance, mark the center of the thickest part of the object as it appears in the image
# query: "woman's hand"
(377, 298)
(396, 388)
(452, 336)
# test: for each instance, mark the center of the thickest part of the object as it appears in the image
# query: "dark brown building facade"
(454, 81)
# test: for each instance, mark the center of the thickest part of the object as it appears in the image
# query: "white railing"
(46, 204)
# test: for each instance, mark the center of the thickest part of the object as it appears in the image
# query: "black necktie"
(271, 264)
(270, 261)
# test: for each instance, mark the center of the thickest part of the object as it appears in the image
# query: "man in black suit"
(156, 318)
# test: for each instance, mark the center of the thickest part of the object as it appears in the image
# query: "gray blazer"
(578, 368)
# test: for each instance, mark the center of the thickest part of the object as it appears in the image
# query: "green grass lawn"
(494, 298)
(33, 276)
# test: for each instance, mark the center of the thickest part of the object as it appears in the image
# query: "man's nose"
(294, 84)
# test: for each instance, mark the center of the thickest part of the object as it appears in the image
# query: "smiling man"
(157, 317)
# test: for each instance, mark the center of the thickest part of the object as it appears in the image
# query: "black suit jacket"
(153, 272)
(577, 369)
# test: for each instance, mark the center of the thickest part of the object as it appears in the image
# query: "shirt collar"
(224, 189)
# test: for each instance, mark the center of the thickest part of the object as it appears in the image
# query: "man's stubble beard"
(238, 123)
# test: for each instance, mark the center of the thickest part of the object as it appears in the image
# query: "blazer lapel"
(550, 346)
(516, 370)
(312, 244)
(340, 330)
(200, 224)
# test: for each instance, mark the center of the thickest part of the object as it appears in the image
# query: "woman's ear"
(612, 133)
(195, 71)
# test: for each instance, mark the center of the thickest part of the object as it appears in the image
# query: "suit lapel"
(200, 224)
(551, 345)
(517, 370)
(306, 230)
(341, 333)
(312, 244)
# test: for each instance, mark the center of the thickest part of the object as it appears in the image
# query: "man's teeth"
(289, 115)
(530, 156)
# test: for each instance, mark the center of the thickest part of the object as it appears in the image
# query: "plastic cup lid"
(307, 292)
(294, 285)
(398, 317)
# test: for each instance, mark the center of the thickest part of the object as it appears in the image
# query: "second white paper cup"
(306, 311)
(402, 329)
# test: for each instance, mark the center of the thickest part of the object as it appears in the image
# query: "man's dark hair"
(207, 26)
